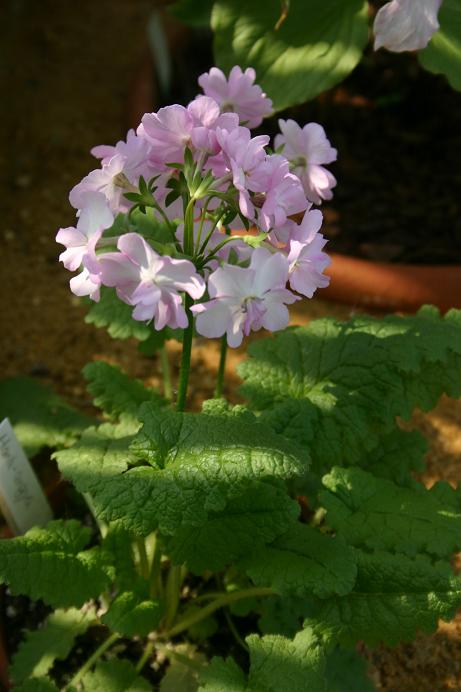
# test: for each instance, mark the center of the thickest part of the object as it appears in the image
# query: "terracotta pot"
(392, 286)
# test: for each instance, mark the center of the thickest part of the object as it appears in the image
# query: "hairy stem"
(173, 587)
(155, 577)
(93, 658)
(143, 561)
(185, 356)
(223, 600)
(221, 369)
(147, 653)
(166, 373)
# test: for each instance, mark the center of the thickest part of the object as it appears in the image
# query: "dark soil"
(65, 72)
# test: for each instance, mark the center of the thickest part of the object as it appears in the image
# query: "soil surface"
(65, 74)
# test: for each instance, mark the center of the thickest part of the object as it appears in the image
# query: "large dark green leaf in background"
(443, 54)
(317, 45)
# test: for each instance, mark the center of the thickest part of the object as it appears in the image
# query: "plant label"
(22, 501)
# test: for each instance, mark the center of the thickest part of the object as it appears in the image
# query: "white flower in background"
(406, 24)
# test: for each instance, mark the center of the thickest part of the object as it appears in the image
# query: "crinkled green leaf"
(376, 513)
(112, 313)
(397, 456)
(336, 387)
(259, 514)
(277, 664)
(394, 597)
(115, 676)
(316, 46)
(49, 563)
(197, 463)
(40, 648)
(119, 543)
(292, 665)
(222, 676)
(304, 561)
(443, 54)
(39, 416)
(130, 616)
(282, 615)
(116, 393)
(346, 671)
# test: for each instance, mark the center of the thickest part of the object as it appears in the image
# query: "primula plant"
(248, 547)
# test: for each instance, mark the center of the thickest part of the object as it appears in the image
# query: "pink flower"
(243, 300)
(94, 217)
(305, 257)
(238, 94)
(135, 151)
(169, 132)
(150, 282)
(306, 149)
(128, 160)
(311, 223)
(206, 118)
(282, 192)
(406, 24)
(86, 284)
(243, 155)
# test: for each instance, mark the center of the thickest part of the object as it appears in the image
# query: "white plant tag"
(22, 501)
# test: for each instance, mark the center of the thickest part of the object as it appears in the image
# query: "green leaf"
(49, 563)
(150, 226)
(304, 561)
(443, 54)
(112, 313)
(198, 463)
(39, 416)
(317, 45)
(222, 676)
(397, 456)
(115, 676)
(180, 676)
(42, 684)
(119, 543)
(337, 387)
(282, 615)
(192, 12)
(39, 650)
(116, 393)
(347, 672)
(394, 596)
(130, 616)
(375, 513)
(259, 514)
(279, 664)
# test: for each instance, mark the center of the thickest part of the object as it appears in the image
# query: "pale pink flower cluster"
(403, 25)
(202, 174)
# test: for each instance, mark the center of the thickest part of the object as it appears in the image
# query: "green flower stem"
(223, 600)
(185, 357)
(143, 561)
(189, 228)
(155, 576)
(93, 658)
(173, 588)
(147, 653)
(222, 367)
(166, 373)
